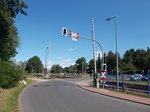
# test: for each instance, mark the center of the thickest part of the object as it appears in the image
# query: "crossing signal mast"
(70, 33)
(103, 72)
(75, 37)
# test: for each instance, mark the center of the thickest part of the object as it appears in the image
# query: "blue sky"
(46, 18)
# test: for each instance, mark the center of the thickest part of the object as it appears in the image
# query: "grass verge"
(9, 98)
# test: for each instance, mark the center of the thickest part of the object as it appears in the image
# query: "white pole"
(95, 80)
(93, 45)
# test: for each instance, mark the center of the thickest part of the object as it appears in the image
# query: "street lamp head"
(108, 19)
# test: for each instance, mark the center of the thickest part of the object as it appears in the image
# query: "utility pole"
(95, 80)
(48, 57)
(45, 70)
(75, 37)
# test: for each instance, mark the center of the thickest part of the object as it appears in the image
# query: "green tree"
(34, 65)
(81, 65)
(66, 70)
(10, 74)
(56, 69)
(15, 6)
(72, 69)
(91, 66)
(111, 62)
(139, 59)
(147, 60)
(128, 68)
(136, 60)
(98, 63)
(129, 56)
(9, 39)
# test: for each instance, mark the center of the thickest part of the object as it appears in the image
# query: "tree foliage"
(91, 66)
(56, 69)
(15, 6)
(10, 74)
(133, 61)
(9, 39)
(34, 65)
(81, 65)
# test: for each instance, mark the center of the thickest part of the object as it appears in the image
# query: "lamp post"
(116, 31)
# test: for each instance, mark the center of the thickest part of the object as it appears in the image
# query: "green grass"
(131, 93)
(69, 76)
(9, 98)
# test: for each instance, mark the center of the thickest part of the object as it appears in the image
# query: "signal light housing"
(64, 31)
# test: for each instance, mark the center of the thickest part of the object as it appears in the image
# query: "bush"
(9, 74)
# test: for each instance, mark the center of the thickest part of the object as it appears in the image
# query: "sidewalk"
(136, 99)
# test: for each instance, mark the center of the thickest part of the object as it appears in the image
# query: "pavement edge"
(114, 96)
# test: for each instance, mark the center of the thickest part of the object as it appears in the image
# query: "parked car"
(136, 77)
(145, 78)
(45, 76)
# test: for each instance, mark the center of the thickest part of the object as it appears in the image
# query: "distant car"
(62, 73)
(45, 76)
(145, 78)
(136, 77)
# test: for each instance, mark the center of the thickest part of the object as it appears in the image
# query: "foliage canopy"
(9, 39)
(34, 65)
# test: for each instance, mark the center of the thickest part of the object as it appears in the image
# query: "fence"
(134, 87)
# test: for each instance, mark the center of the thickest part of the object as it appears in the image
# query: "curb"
(114, 96)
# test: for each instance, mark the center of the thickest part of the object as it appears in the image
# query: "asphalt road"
(65, 96)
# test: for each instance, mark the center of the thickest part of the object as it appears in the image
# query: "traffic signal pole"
(95, 77)
(75, 37)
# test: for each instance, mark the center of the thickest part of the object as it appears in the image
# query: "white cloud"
(60, 58)
(66, 64)
(71, 49)
(63, 59)
(97, 54)
(49, 64)
(68, 60)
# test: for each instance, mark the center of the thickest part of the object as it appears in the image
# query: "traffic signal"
(104, 67)
(64, 31)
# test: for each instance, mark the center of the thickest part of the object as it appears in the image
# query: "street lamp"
(116, 31)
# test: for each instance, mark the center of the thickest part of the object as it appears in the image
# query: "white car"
(45, 76)
(136, 77)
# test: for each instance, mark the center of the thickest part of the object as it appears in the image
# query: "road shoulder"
(136, 99)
